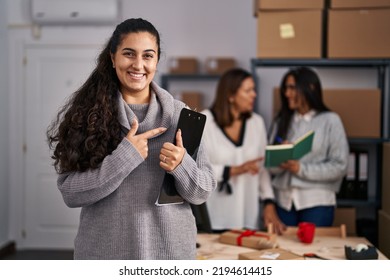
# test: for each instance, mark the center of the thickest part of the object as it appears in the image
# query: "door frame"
(19, 41)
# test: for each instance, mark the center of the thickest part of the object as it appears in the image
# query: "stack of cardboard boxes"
(315, 29)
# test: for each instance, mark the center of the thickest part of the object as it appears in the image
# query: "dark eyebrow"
(130, 49)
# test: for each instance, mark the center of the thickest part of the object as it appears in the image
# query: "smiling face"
(135, 62)
(296, 101)
(244, 98)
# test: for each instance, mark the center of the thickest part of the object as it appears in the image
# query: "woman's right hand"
(140, 141)
(252, 167)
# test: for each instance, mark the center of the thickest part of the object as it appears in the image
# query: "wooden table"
(323, 246)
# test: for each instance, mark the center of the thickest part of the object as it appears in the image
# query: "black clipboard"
(192, 125)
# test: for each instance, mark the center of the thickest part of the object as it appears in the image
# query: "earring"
(113, 65)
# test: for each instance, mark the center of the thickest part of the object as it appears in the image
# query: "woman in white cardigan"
(235, 138)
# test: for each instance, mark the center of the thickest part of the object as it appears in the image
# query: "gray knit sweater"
(119, 218)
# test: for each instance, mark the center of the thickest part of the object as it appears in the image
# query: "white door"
(52, 74)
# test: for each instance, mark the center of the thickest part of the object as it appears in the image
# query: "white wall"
(4, 183)
(201, 28)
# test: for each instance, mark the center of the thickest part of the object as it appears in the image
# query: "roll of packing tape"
(361, 247)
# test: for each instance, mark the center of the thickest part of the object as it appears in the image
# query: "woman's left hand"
(171, 155)
(291, 165)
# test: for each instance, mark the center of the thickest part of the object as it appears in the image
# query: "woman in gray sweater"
(305, 189)
(113, 145)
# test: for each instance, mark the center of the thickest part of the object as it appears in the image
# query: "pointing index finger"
(153, 132)
(134, 127)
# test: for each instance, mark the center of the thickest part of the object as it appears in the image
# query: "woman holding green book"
(305, 189)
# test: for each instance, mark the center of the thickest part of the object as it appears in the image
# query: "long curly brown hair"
(86, 128)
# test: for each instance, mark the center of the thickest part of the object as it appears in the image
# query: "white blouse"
(241, 208)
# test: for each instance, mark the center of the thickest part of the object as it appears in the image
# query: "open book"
(277, 154)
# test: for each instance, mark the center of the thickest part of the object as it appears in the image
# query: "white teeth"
(136, 75)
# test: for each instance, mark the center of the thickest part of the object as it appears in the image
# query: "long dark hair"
(228, 85)
(308, 85)
(86, 128)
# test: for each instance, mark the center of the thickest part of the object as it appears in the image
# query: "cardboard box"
(346, 216)
(290, 4)
(359, 33)
(337, 4)
(183, 65)
(289, 34)
(193, 100)
(384, 233)
(270, 254)
(386, 178)
(248, 238)
(218, 65)
(359, 110)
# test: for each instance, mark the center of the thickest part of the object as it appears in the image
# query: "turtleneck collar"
(159, 113)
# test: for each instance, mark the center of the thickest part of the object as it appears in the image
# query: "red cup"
(306, 232)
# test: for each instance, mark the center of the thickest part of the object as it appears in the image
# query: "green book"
(277, 154)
